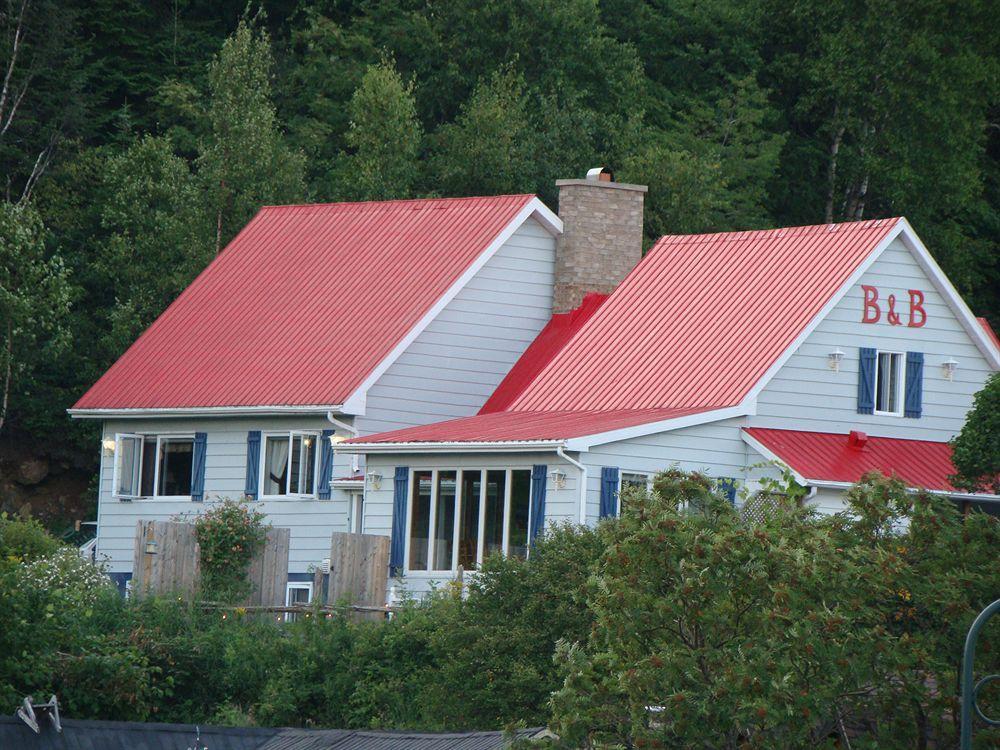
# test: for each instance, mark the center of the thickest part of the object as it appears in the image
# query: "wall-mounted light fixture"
(558, 478)
(833, 360)
(374, 480)
(948, 368)
(151, 547)
(108, 446)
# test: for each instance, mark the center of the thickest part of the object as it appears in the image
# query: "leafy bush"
(24, 539)
(229, 534)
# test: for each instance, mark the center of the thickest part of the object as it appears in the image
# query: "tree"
(976, 449)
(384, 136)
(160, 235)
(245, 162)
(35, 298)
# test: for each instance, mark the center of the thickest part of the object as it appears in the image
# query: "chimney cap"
(602, 174)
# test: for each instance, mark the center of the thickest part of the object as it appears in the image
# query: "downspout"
(560, 451)
(351, 430)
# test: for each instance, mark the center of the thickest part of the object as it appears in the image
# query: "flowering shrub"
(228, 535)
(23, 540)
(64, 574)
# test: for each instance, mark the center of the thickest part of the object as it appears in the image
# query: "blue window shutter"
(325, 465)
(397, 545)
(913, 405)
(609, 491)
(198, 467)
(866, 381)
(253, 463)
(727, 486)
(539, 475)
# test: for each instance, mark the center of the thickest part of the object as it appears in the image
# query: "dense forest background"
(136, 138)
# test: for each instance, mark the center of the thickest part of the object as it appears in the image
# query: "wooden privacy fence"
(167, 561)
(359, 571)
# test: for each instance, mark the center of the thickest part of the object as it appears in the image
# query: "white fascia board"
(773, 457)
(355, 403)
(586, 442)
(510, 446)
(826, 309)
(951, 295)
(204, 411)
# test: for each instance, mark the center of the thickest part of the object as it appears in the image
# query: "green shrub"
(24, 539)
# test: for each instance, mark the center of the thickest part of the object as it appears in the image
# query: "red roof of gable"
(989, 331)
(303, 304)
(823, 456)
(702, 318)
(556, 334)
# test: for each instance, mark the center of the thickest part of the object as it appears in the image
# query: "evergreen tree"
(245, 162)
(976, 450)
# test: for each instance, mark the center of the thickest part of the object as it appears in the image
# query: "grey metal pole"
(971, 689)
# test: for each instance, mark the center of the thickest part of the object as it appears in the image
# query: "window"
(459, 517)
(358, 513)
(297, 593)
(289, 460)
(153, 465)
(889, 383)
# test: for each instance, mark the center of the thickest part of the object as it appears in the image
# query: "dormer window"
(889, 384)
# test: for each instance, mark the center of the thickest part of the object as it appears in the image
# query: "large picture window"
(459, 517)
(289, 461)
(153, 466)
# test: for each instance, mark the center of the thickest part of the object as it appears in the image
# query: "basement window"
(289, 464)
(889, 384)
(297, 594)
(459, 517)
(153, 466)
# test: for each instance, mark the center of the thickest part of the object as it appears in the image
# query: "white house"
(833, 350)
(458, 373)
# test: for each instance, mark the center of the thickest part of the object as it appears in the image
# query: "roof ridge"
(336, 204)
(742, 234)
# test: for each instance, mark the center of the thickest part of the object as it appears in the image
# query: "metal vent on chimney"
(602, 174)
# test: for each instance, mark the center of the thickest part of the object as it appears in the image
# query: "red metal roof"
(303, 304)
(513, 426)
(701, 319)
(823, 456)
(556, 334)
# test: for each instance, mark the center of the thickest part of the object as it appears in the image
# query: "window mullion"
(288, 470)
(156, 467)
(456, 531)
(506, 510)
(431, 528)
(482, 518)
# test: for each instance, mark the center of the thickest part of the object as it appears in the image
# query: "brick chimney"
(602, 236)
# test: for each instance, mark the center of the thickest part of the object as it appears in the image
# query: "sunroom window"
(459, 517)
(889, 383)
(153, 465)
(290, 464)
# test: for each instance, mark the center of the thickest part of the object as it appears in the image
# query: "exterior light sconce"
(834, 359)
(948, 368)
(151, 547)
(108, 446)
(374, 480)
(558, 478)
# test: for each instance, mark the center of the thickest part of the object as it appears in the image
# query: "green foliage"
(35, 298)
(23, 540)
(976, 449)
(710, 631)
(229, 534)
(384, 136)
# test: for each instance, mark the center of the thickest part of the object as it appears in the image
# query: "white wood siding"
(458, 360)
(715, 449)
(311, 521)
(807, 395)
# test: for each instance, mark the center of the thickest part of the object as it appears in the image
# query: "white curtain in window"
(277, 465)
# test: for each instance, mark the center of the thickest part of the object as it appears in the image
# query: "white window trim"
(308, 585)
(900, 384)
(480, 541)
(357, 512)
(317, 437)
(142, 437)
(621, 481)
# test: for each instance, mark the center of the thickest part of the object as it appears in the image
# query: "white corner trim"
(509, 446)
(586, 442)
(951, 295)
(831, 303)
(770, 455)
(356, 403)
(203, 411)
